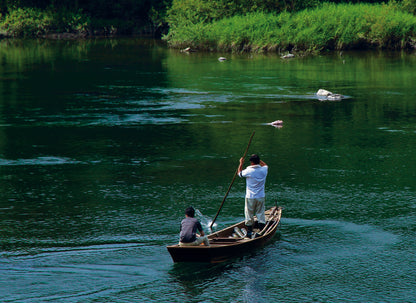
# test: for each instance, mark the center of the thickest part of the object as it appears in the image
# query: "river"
(104, 143)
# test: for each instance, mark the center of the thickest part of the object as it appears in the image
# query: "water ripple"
(47, 160)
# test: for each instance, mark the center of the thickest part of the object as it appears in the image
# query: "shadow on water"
(186, 272)
(190, 276)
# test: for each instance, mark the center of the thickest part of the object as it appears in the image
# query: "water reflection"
(192, 278)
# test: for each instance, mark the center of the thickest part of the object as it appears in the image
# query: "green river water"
(104, 143)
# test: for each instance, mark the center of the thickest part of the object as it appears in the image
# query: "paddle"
(229, 188)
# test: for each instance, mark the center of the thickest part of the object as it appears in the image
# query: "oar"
(229, 188)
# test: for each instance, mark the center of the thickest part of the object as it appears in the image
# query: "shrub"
(26, 22)
(33, 22)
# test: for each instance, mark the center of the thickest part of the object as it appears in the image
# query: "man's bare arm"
(240, 167)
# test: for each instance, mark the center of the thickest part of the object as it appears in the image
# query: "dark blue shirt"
(189, 226)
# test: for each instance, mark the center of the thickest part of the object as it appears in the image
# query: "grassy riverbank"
(223, 25)
(329, 26)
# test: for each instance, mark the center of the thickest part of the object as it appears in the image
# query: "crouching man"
(189, 227)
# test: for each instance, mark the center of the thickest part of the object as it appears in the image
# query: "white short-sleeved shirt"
(255, 178)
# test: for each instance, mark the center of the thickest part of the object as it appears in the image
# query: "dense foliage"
(36, 22)
(184, 12)
(37, 17)
(321, 26)
(409, 6)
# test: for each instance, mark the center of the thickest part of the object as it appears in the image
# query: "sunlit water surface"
(104, 143)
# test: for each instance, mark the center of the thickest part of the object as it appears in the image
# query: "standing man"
(255, 175)
(189, 227)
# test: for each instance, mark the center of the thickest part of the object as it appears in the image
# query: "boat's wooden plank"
(224, 239)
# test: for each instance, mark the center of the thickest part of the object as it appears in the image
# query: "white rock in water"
(323, 92)
(188, 50)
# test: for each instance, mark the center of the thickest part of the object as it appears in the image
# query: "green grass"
(330, 26)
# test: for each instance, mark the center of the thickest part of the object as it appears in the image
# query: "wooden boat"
(225, 244)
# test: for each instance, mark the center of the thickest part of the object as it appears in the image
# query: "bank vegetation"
(222, 25)
(74, 18)
(319, 27)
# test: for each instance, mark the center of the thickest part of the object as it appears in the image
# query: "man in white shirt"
(255, 175)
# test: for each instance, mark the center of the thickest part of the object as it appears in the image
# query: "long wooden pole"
(229, 188)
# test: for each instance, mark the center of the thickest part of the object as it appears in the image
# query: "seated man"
(189, 226)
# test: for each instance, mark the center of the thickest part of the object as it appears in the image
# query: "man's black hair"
(190, 212)
(255, 159)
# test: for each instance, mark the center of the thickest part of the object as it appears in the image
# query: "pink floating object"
(277, 123)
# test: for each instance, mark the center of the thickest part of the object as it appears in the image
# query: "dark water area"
(104, 143)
